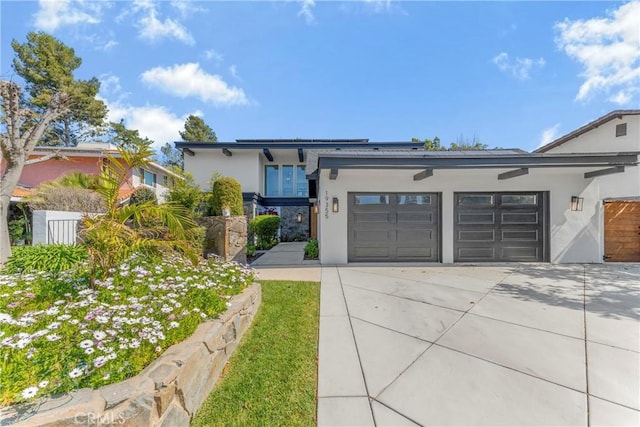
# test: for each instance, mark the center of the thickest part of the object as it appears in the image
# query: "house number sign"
(326, 204)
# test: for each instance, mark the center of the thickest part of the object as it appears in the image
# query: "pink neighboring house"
(87, 158)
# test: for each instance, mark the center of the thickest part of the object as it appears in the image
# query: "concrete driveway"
(497, 345)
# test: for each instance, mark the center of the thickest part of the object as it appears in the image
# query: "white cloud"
(189, 79)
(549, 134)
(306, 10)
(519, 68)
(186, 8)
(211, 54)
(234, 72)
(152, 28)
(608, 50)
(379, 6)
(53, 14)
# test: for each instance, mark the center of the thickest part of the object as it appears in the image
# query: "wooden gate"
(622, 231)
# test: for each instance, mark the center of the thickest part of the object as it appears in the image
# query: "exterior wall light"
(335, 207)
(315, 209)
(576, 203)
(299, 218)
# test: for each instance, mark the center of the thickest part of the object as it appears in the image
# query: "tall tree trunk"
(8, 183)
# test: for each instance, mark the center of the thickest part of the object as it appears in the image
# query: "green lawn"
(271, 378)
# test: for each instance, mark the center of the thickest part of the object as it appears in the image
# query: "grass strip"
(271, 378)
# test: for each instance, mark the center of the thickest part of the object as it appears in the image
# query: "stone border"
(169, 391)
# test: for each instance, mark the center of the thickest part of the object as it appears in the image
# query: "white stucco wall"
(574, 236)
(243, 166)
(246, 166)
(60, 232)
(603, 139)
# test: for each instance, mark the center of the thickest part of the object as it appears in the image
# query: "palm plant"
(110, 238)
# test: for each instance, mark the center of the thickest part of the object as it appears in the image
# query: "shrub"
(311, 249)
(185, 192)
(227, 193)
(265, 229)
(70, 199)
(143, 195)
(251, 249)
(52, 258)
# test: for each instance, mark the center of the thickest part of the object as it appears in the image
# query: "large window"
(148, 178)
(285, 181)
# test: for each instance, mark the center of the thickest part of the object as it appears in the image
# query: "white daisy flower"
(29, 392)
(75, 373)
(86, 344)
(53, 337)
(89, 350)
(99, 361)
(43, 384)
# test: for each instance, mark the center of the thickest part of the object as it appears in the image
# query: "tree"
(128, 139)
(461, 144)
(47, 65)
(23, 128)
(171, 157)
(464, 144)
(185, 192)
(196, 130)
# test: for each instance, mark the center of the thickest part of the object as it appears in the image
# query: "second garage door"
(394, 227)
(500, 227)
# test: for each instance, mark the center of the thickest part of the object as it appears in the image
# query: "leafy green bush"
(265, 229)
(185, 192)
(311, 249)
(227, 193)
(251, 249)
(143, 195)
(53, 258)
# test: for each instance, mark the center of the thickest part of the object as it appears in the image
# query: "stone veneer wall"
(290, 230)
(225, 237)
(169, 391)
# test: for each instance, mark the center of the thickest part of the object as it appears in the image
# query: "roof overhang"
(520, 163)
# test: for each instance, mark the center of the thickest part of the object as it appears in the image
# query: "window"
(285, 181)
(519, 199)
(165, 180)
(148, 178)
(475, 199)
(272, 184)
(621, 129)
(372, 199)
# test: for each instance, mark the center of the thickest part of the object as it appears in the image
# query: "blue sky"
(514, 74)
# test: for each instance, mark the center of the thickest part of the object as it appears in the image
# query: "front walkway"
(513, 345)
(286, 261)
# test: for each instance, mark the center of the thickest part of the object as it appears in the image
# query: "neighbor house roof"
(617, 114)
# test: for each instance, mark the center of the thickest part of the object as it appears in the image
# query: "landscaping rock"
(163, 398)
(163, 375)
(175, 416)
(135, 412)
(191, 380)
(78, 408)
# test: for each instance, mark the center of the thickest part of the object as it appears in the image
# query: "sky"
(507, 74)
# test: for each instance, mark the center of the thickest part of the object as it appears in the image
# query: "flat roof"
(304, 144)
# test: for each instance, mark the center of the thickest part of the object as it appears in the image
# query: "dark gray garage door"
(394, 227)
(500, 226)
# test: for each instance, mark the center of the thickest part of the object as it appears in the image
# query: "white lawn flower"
(99, 361)
(158, 349)
(31, 352)
(54, 325)
(23, 343)
(86, 344)
(75, 373)
(64, 317)
(153, 340)
(112, 356)
(99, 335)
(53, 337)
(89, 350)
(173, 325)
(29, 392)
(43, 384)
(134, 344)
(106, 376)
(102, 319)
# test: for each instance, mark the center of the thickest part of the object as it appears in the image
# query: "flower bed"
(66, 331)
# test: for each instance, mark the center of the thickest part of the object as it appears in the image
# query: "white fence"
(55, 227)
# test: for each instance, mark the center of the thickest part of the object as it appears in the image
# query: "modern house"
(88, 158)
(576, 199)
(273, 174)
